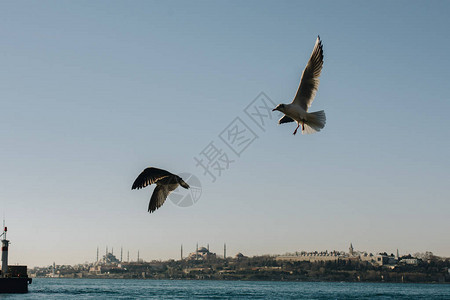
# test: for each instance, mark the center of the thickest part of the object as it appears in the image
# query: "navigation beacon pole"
(5, 244)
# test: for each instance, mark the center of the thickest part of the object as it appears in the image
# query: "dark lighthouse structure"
(13, 279)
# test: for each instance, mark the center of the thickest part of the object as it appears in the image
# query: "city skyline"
(93, 92)
(100, 256)
(338, 266)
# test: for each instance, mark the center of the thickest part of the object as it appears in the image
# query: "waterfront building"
(201, 253)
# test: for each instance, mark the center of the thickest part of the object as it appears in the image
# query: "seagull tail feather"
(315, 122)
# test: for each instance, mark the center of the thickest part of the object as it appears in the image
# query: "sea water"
(61, 288)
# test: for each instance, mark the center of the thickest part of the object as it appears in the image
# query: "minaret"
(196, 252)
(128, 256)
(106, 250)
(224, 251)
(398, 256)
(350, 250)
(181, 251)
(121, 252)
(207, 247)
(138, 256)
(5, 244)
(97, 253)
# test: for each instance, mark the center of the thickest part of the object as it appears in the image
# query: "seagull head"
(280, 107)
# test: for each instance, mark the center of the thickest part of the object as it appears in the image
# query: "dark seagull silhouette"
(165, 181)
(298, 109)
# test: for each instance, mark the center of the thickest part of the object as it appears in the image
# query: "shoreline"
(242, 280)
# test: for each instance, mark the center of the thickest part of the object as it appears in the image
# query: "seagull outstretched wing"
(149, 176)
(285, 119)
(310, 78)
(158, 197)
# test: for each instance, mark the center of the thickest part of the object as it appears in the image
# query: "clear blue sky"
(92, 92)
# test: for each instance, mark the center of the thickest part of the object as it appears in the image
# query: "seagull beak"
(274, 109)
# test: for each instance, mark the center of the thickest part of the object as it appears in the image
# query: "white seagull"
(165, 181)
(298, 109)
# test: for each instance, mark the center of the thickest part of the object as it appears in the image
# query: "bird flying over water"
(165, 181)
(298, 109)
